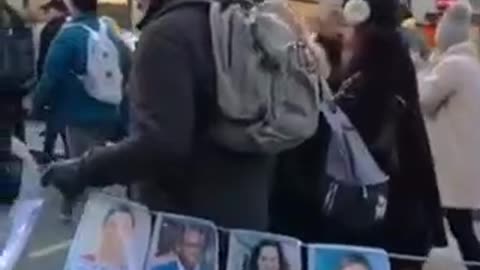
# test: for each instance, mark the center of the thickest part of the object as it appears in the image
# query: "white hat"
(454, 26)
(356, 11)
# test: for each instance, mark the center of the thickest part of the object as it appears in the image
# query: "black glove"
(66, 177)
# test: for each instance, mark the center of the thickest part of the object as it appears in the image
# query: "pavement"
(447, 258)
(50, 240)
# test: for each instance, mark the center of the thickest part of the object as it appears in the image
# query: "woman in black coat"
(413, 222)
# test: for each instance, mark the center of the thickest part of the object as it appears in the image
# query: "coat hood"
(461, 49)
(454, 26)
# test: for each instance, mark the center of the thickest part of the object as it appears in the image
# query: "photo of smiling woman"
(268, 255)
(250, 250)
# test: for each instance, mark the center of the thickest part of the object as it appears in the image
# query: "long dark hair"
(253, 265)
(376, 46)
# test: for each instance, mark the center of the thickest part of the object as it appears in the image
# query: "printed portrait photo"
(337, 257)
(249, 250)
(112, 235)
(183, 243)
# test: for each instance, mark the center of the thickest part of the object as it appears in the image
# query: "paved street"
(50, 239)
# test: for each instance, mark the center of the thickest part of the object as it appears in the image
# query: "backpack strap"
(102, 22)
(87, 28)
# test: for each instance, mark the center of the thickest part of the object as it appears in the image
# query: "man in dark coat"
(11, 92)
(172, 101)
(57, 13)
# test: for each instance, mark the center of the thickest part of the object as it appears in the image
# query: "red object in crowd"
(444, 4)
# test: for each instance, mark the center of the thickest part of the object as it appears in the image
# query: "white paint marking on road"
(49, 250)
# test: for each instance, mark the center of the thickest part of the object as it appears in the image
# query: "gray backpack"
(267, 85)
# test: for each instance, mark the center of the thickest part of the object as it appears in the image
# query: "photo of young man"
(184, 244)
(113, 234)
(115, 241)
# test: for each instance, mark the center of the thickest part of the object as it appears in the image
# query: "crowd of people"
(417, 121)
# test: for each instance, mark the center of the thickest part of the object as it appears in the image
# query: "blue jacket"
(61, 90)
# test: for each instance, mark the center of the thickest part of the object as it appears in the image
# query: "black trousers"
(461, 225)
(51, 135)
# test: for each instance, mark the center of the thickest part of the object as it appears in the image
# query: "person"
(188, 253)
(169, 157)
(328, 35)
(9, 17)
(414, 218)
(115, 237)
(355, 262)
(449, 96)
(268, 255)
(413, 222)
(413, 37)
(291, 201)
(56, 14)
(88, 121)
(12, 91)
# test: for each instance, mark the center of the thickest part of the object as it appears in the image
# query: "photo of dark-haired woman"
(268, 255)
(249, 250)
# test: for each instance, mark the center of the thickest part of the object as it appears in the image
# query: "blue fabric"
(61, 90)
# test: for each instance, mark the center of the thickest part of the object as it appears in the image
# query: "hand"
(65, 176)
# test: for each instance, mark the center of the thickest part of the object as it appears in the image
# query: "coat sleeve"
(58, 63)
(437, 87)
(163, 112)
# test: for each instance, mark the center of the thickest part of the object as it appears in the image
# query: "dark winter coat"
(172, 101)
(49, 32)
(414, 216)
(11, 91)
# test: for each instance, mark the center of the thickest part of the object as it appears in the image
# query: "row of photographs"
(117, 235)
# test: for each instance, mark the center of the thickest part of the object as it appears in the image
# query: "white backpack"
(104, 79)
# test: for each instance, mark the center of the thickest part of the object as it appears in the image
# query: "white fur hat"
(356, 11)
(454, 26)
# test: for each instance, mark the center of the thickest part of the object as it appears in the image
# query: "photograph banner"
(183, 243)
(339, 257)
(250, 250)
(113, 234)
